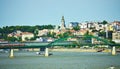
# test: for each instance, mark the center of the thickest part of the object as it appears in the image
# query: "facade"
(27, 35)
(80, 32)
(43, 32)
(15, 34)
(110, 27)
(91, 25)
(23, 35)
(83, 25)
(87, 25)
(116, 25)
(116, 37)
(100, 26)
(73, 24)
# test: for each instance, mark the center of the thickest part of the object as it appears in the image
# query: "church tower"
(63, 23)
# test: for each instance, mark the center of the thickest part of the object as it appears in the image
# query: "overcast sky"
(44, 12)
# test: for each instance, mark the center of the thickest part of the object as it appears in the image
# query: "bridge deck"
(45, 44)
(33, 44)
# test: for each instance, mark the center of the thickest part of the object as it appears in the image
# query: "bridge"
(81, 41)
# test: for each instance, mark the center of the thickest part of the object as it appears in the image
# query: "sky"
(44, 12)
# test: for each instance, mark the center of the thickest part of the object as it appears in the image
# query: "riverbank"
(78, 50)
(69, 50)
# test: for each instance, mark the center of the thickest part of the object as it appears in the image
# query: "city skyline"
(42, 12)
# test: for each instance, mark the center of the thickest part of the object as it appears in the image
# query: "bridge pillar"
(46, 52)
(11, 53)
(113, 51)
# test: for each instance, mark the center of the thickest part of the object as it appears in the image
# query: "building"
(63, 26)
(23, 35)
(43, 32)
(15, 34)
(116, 37)
(110, 27)
(116, 25)
(73, 24)
(88, 25)
(83, 25)
(27, 36)
(100, 26)
(80, 32)
(91, 25)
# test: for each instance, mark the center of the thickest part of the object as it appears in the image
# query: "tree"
(76, 28)
(33, 38)
(112, 42)
(4, 31)
(51, 34)
(104, 22)
(66, 34)
(102, 34)
(36, 32)
(87, 33)
(60, 36)
(4, 36)
(19, 39)
(13, 39)
(26, 38)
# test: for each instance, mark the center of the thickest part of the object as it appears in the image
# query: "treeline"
(9, 29)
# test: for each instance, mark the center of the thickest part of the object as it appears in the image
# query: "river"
(60, 60)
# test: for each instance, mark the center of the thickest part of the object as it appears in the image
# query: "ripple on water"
(59, 60)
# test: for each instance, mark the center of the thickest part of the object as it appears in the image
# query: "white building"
(88, 25)
(27, 35)
(40, 39)
(116, 25)
(83, 25)
(116, 37)
(99, 26)
(43, 32)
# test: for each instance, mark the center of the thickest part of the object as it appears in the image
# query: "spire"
(63, 23)
(63, 18)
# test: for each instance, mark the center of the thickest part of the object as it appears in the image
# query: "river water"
(60, 60)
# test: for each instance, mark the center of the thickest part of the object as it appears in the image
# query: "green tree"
(102, 34)
(19, 39)
(51, 34)
(36, 32)
(4, 31)
(60, 35)
(4, 36)
(76, 28)
(104, 22)
(26, 38)
(112, 42)
(13, 39)
(33, 38)
(87, 33)
(66, 34)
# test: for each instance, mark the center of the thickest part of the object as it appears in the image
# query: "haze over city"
(39, 12)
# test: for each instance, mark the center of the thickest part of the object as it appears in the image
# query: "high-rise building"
(63, 26)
